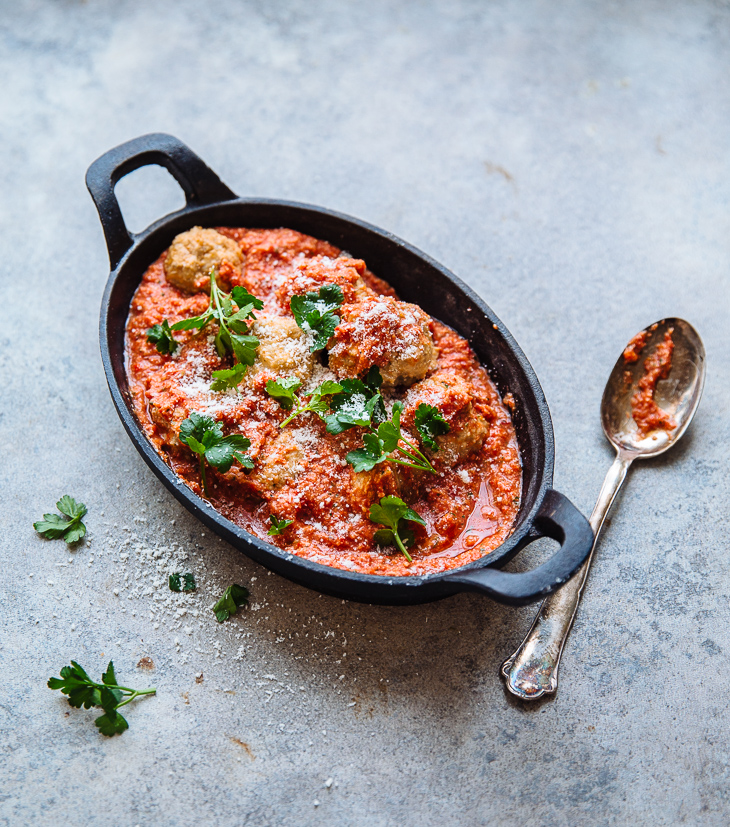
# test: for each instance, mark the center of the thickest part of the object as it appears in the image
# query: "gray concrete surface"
(571, 161)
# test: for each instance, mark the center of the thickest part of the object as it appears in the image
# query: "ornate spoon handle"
(533, 669)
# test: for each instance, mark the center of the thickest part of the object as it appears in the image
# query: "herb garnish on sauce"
(315, 313)
(278, 526)
(160, 335)
(390, 512)
(283, 391)
(204, 436)
(379, 443)
(233, 331)
(359, 403)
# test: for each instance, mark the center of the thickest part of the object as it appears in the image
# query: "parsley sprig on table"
(107, 695)
(379, 443)
(179, 582)
(390, 512)
(66, 525)
(204, 436)
(278, 526)
(232, 311)
(233, 598)
(283, 390)
(315, 313)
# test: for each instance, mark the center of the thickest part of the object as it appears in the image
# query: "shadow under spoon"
(532, 671)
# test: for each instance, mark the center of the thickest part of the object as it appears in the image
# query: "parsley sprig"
(204, 436)
(358, 403)
(390, 512)
(379, 443)
(160, 335)
(278, 526)
(107, 695)
(234, 597)
(430, 423)
(315, 313)
(232, 311)
(283, 390)
(66, 525)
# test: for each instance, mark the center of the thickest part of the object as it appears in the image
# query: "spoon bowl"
(679, 394)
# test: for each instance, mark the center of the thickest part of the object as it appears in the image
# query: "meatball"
(385, 332)
(369, 487)
(283, 348)
(192, 255)
(450, 393)
(311, 274)
(278, 465)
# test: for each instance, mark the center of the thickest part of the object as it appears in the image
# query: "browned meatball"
(278, 465)
(311, 274)
(451, 394)
(193, 254)
(383, 331)
(283, 348)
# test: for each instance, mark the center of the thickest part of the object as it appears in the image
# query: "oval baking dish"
(417, 279)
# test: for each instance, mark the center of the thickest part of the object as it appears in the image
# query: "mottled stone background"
(570, 161)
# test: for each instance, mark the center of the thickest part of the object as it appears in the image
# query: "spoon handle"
(532, 671)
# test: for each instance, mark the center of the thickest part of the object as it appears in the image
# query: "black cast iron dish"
(418, 279)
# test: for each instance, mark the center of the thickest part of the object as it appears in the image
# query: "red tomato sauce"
(645, 411)
(300, 473)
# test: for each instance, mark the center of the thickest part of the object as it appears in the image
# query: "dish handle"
(199, 183)
(558, 519)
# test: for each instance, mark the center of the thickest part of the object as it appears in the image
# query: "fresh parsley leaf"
(160, 335)
(367, 457)
(233, 329)
(430, 423)
(228, 378)
(109, 677)
(111, 723)
(244, 347)
(277, 525)
(233, 597)
(179, 582)
(243, 298)
(390, 432)
(390, 512)
(358, 403)
(204, 436)
(283, 391)
(314, 312)
(66, 525)
(194, 322)
(381, 442)
(318, 401)
(82, 691)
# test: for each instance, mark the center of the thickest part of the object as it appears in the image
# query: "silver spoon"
(533, 669)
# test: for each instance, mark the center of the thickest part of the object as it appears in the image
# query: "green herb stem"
(291, 416)
(400, 545)
(422, 463)
(202, 474)
(135, 694)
